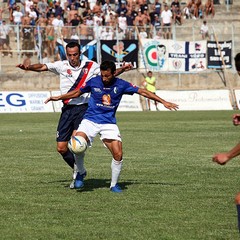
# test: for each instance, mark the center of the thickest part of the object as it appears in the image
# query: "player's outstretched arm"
(223, 158)
(150, 95)
(69, 95)
(124, 68)
(38, 67)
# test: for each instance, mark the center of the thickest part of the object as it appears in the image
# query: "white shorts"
(106, 131)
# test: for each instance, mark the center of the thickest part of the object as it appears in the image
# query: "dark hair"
(237, 62)
(105, 65)
(72, 45)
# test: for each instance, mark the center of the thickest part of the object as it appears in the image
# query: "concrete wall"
(31, 81)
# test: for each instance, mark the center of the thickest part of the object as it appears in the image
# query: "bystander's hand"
(236, 119)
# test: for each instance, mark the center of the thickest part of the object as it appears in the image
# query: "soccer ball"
(77, 144)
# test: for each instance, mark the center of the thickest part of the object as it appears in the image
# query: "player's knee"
(237, 199)
(118, 156)
(62, 149)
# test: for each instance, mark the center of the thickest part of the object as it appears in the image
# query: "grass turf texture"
(172, 189)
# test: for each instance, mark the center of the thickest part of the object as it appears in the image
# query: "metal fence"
(38, 42)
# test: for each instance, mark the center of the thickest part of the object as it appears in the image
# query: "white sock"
(75, 171)
(79, 159)
(116, 169)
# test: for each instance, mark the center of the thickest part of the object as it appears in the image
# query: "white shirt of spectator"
(4, 30)
(97, 20)
(143, 34)
(57, 23)
(107, 33)
(122, 22)
(92, 3)
(27, 5)
(166, 16)
(17, 17)
(33, 14)
(204, 28)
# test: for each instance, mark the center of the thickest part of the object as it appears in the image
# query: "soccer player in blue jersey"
(106, 93)
(73, 73)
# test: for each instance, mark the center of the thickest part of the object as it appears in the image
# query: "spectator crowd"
(93, 19)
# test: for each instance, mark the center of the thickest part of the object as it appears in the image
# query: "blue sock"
(238, 214)
(69, 158)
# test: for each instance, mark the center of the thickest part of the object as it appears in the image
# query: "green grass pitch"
(172, 189)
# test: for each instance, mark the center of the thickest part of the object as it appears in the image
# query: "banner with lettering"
(186, 56)
(174, 56)
(219, 54)
(120, 51)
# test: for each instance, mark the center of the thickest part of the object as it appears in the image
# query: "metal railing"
(35, 41)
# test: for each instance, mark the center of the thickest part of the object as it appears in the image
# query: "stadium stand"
(225, 25)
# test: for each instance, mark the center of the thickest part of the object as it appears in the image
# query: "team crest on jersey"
(69, 72)
(115, 90)
(85, 70)
(106, 99)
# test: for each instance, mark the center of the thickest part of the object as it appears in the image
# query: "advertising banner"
(174, 56)
(219, 52)
(16, 102)
(120, 51)
(186, 56)
(197, 100)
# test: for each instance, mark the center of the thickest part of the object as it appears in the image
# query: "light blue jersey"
(104, 101)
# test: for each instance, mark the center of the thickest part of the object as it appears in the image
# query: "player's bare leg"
(115, 147)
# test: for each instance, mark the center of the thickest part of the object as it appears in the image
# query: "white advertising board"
(130, 103)
(16, 102)
(196, 100)
(57, 105)
(237, 95)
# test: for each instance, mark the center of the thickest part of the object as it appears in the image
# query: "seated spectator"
(158, 7)
(83, 29)
(177, 15)
(188, 11)
(71, 12)
(204, 30)
(138, 21)
(144, 6)
(146, 18)
(174, 5)
(143, 34)
(122, 8)
(107, 33)
(75, 21)
(198, 9)
(209, 8)
(122, 22)
(156, 26)
(130, 18)
(153, 13)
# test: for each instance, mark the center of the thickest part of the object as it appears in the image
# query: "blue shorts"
(69, 121)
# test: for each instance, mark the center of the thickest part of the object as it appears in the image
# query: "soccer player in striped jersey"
(106, 93)
(73, 74)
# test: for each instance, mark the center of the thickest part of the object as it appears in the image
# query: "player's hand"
(52, 98)
(221, 158)
(127, 66)
(170, 106)
(236, 119)
(25, 65)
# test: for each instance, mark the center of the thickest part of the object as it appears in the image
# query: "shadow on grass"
(90, 184)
